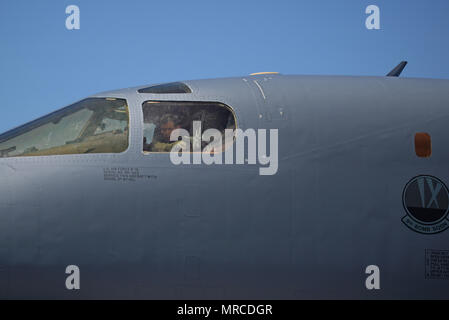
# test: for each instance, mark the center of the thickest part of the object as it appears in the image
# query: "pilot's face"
(166, 130)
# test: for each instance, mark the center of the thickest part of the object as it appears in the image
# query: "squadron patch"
(425, 199)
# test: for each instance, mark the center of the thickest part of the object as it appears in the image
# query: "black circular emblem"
(426, 201)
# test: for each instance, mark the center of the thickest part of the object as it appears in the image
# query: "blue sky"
(44, 66)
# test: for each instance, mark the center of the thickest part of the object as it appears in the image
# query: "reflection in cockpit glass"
(94, 125)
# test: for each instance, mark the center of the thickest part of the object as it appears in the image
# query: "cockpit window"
(173, 87)
(93, 125)
(161, 118)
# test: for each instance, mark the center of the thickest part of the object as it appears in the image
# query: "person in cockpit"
(161, 140)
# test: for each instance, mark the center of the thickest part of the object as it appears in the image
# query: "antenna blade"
(397, 70)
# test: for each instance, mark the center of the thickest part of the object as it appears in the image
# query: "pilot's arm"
(157, 146)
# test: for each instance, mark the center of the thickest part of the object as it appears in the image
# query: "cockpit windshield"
(93, 125)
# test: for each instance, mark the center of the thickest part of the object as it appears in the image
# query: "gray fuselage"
(334, 207)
